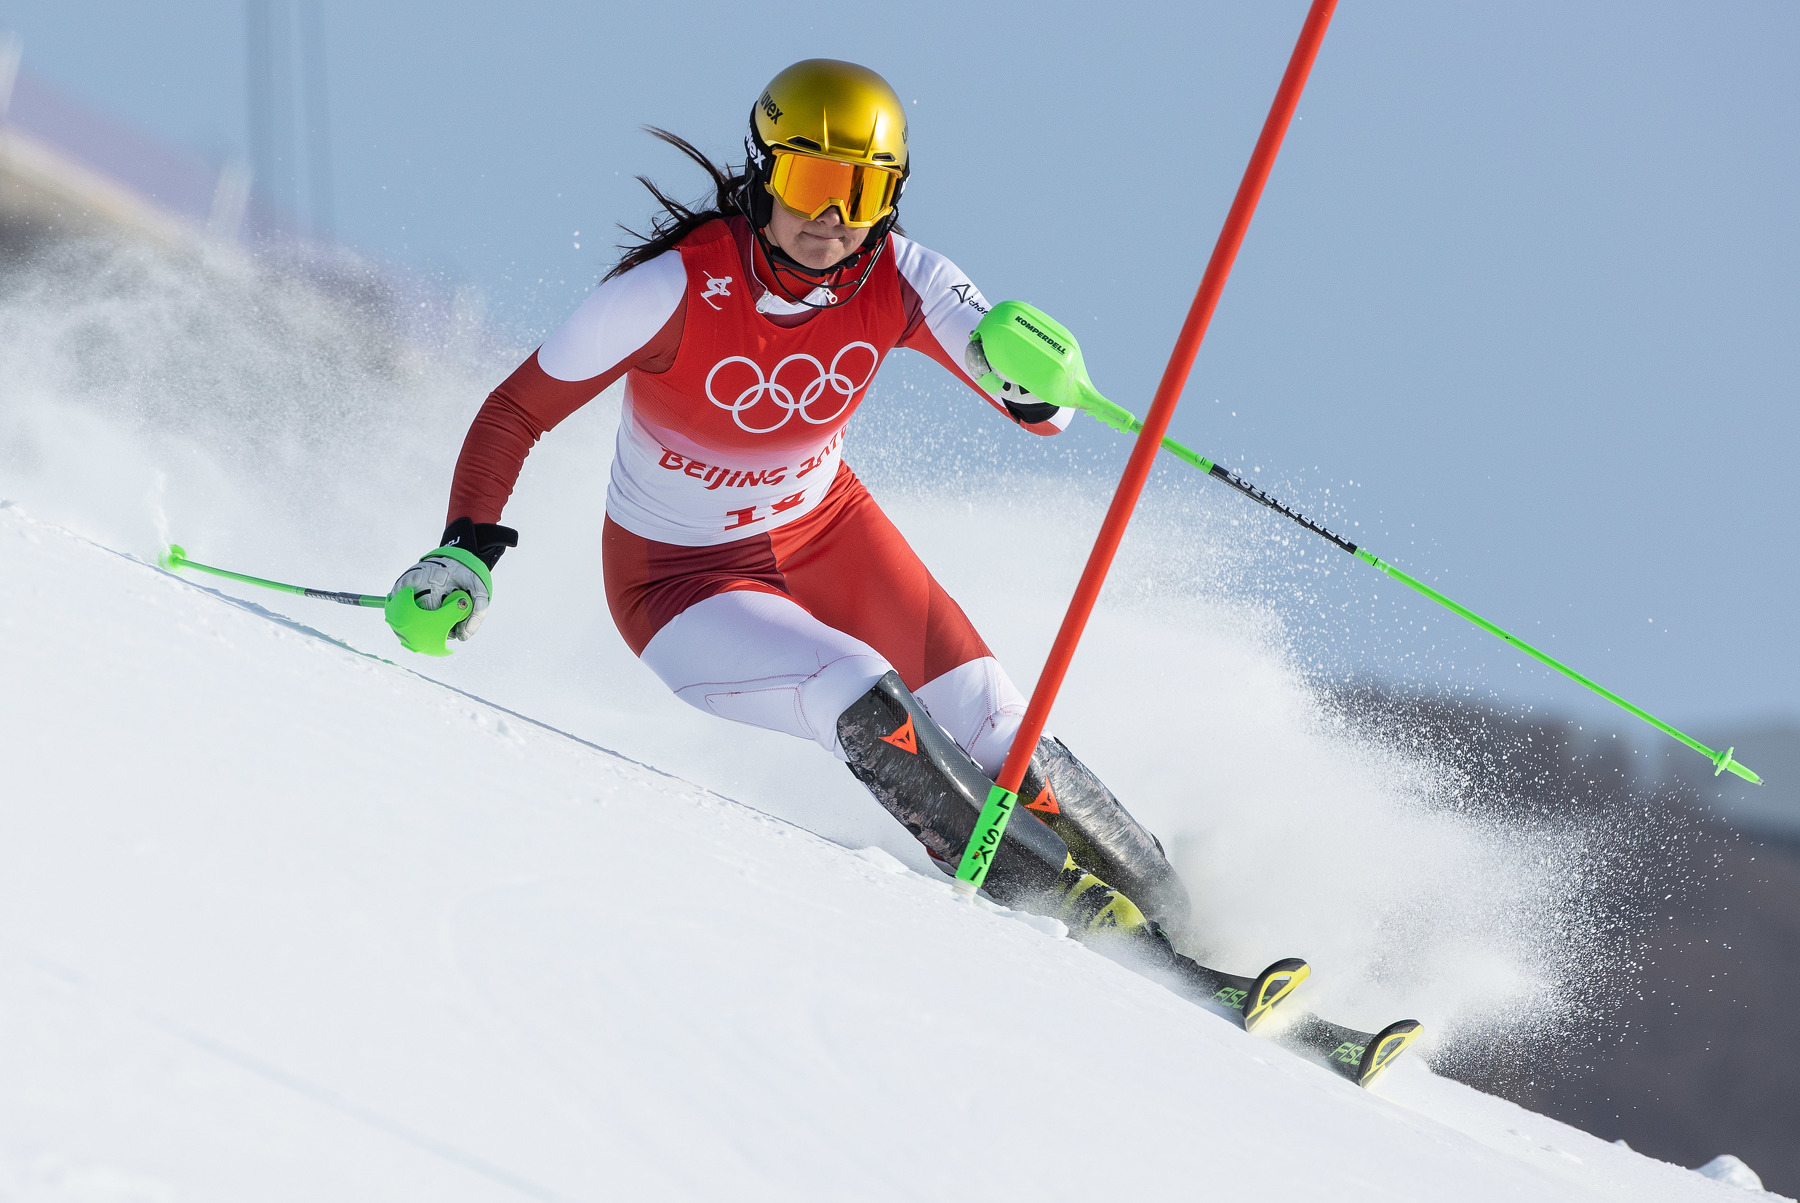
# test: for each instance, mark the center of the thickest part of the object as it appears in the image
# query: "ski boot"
(1105, 916)
(932, 787)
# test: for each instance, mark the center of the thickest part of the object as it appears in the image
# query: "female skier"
(745, 563)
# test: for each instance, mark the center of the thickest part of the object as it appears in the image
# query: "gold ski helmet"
(824, 134)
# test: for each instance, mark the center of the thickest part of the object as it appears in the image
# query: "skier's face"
(818, 243)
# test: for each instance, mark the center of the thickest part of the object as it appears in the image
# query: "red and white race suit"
(745, 562)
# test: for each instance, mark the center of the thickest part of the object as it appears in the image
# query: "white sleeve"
(952, 307)
(617, 318)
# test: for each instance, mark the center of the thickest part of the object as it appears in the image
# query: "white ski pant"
(760, 658)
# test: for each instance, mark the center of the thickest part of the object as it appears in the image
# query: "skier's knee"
(977, 703)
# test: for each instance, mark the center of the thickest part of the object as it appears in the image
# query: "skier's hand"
(1016, 397)
(435, 578)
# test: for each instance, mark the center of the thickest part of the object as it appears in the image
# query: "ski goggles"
(808, 185)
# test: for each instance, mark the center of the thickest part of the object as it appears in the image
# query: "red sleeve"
(528, 403)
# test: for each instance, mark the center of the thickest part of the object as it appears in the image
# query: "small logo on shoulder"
(716, 287)
(967, 295)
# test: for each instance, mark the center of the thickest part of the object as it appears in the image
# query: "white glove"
(436, 578)
(1011, 394)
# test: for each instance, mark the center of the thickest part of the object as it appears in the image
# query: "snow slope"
(147, 396)
(281, 920)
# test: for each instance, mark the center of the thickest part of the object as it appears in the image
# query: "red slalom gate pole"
(1156, 424)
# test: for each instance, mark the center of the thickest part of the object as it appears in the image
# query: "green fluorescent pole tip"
(172, 558)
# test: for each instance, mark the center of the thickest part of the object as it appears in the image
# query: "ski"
(1358, 1056)
(1246, 1000)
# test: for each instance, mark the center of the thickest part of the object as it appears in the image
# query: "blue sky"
(1521, 293)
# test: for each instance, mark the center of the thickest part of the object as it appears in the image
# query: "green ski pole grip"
(1027, 346)
(426, 632)
(990, 828)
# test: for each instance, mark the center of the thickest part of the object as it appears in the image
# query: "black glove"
(487, 541)
(435, 577)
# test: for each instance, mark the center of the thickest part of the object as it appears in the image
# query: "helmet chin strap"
(823, 277)
(757, 206)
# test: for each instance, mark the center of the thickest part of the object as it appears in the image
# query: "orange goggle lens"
(808, 186)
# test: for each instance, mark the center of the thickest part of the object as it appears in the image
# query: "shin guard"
(924, 780)
(1101, 834)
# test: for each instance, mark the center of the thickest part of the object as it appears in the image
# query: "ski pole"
(420, 630)
(991, 825)
(175, 558)
(1120, 419)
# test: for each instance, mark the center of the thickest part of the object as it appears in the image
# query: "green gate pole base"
(978, 857)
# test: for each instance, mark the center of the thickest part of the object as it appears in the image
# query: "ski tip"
(1385, 1047)
(1271, 986)
(173, 557)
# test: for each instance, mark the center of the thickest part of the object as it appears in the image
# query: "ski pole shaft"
(1162, 409)
(1721, 760)
(1120, 419)
(176, 558)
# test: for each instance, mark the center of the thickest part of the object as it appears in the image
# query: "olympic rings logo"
(783, 395)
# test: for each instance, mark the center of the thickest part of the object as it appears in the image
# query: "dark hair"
(677, 220)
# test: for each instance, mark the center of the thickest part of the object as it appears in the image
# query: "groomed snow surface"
(282, 920)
